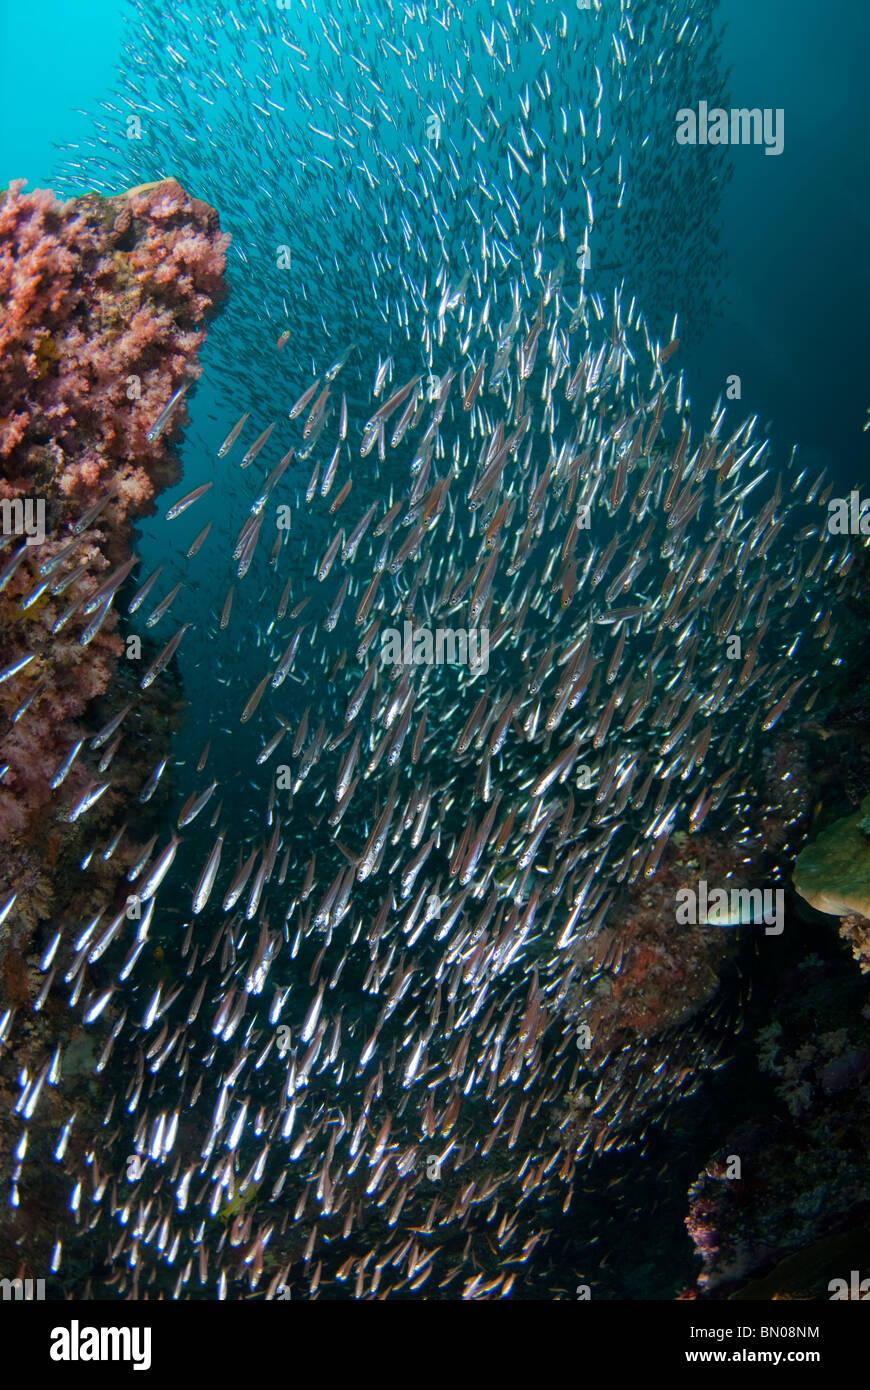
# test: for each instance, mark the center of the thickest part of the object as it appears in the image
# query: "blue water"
(789, 267)
(795, 228)
(789, 272)
(55, 64)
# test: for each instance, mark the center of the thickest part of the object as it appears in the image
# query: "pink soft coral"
(95, 292)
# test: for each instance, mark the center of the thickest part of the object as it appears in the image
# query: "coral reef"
(660, 973)
(649, 1011)
(833, 873)
(104, 308)
(104, 303)
(794, 1215)
(788, 1183)
(856, 930)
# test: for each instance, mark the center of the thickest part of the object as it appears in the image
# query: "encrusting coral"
(833, 873)
(104, 302)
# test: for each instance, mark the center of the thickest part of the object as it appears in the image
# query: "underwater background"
(764, 261)
(793, 229)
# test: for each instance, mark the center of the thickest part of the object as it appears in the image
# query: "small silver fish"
(166, 413)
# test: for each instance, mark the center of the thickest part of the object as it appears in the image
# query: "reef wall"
(104, 305)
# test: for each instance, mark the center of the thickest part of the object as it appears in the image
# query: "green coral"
(833, 873)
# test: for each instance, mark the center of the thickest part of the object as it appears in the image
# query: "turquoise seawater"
(777, 295)
(794, 228)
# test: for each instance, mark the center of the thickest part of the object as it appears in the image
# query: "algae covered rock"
(833, 873)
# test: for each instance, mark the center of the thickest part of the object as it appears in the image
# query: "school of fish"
(440, 404)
